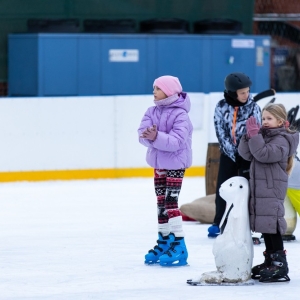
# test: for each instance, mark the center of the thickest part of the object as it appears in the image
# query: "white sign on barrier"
(123, 55)
(242, 43)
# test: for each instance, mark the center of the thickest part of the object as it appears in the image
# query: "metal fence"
(281, 20)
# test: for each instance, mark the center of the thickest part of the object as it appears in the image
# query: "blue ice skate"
(213, 231)
(163, 244)
(176, 255)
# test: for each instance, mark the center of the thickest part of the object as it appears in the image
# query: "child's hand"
(252, 127)
(150, 133)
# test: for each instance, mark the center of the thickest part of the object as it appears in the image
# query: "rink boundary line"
(87, 174)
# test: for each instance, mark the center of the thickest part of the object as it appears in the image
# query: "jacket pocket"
(269, 178)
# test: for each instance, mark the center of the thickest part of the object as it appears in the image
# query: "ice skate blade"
(151, 263)
(199, 283)
(157, 264)
(285, 279)
(173, 265)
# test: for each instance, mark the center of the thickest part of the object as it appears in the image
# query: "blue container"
(182, 56)
(246, 54)
(127, 64)
(124, 65)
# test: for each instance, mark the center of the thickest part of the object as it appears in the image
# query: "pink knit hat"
(170, 85)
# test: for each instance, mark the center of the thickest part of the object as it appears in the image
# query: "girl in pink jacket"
(166, 130)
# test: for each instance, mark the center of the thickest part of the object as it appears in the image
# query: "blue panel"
(121, 77)
(125, 64)
(262, 71)
(22, 65)
(181, 56)
(242, 58)
(151, 64)
(227, 59)
(89, 71)
(206, 60)
(59, 59)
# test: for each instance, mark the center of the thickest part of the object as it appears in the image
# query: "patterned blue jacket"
(230, 124)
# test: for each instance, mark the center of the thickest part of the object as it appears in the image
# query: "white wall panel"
(93, 132)
(129, 112)
(56, 133)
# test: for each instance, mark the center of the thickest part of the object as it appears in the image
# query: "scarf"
(232, 101)
(166, 101)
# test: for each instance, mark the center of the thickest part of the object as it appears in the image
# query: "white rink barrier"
(93, 135)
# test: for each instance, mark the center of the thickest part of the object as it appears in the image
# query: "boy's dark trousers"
(227, 169)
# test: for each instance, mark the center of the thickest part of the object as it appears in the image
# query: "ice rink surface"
(87, 240)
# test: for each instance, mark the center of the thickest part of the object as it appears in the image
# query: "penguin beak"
(229, 206)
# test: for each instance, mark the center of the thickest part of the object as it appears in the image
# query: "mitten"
(150, 133)
(252, 127)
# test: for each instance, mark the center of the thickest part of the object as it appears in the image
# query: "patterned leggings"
(167, 184)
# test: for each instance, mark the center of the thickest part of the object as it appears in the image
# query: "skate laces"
(172, 248)
(156, 247)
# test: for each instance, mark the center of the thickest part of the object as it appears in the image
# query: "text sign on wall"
(242, 43)
(123, 55)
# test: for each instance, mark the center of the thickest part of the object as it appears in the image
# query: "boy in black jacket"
(230, 118)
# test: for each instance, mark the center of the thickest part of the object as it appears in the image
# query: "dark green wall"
(14, 13)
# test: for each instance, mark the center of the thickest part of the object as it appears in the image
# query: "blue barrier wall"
(127, 64)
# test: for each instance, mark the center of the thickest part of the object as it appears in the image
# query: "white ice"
(87, 240)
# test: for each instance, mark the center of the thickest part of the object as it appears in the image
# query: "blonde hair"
(279, 112)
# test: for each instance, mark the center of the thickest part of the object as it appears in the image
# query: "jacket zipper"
(234, 124)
